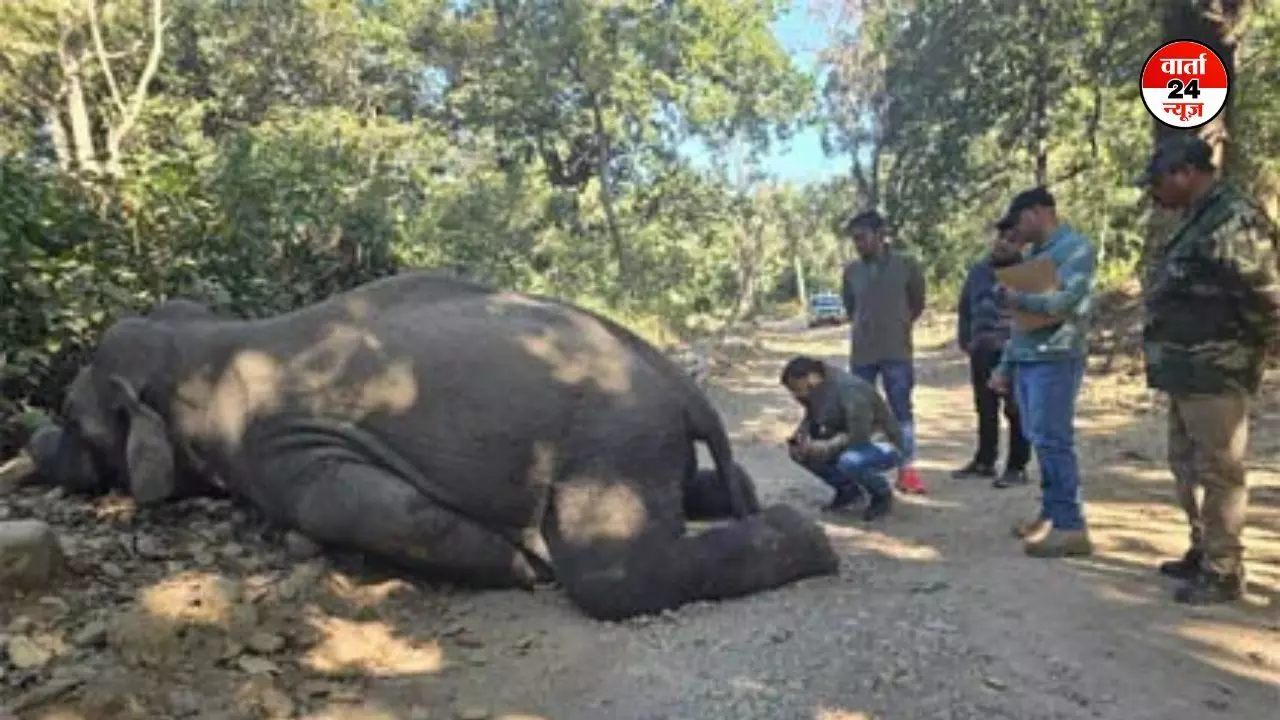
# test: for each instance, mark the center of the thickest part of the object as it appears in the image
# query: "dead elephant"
(494, 439)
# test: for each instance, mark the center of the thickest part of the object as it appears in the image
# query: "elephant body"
(492, 438)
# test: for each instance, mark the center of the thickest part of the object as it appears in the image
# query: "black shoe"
(1186, 568)
(845, 497)
(974, 469)
(1010, 478)
(1210, 588)
(878, 507)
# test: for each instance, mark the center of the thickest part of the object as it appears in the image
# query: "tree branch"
(100, 49)
(118, 133)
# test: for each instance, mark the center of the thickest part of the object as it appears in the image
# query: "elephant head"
(114, 434)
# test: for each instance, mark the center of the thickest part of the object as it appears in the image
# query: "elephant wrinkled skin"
(491, 438)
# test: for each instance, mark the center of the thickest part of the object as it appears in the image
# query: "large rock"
(30, 556)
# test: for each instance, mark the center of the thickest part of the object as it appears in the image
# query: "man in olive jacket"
(836, 439)
(884, 295)
(1212, 316)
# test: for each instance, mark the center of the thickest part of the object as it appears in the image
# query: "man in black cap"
(1046, 365)
(982, 329)
(1212, 314)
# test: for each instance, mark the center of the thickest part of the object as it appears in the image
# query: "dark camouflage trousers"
(1208, 441)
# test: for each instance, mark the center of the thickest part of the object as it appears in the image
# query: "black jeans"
(982, 360)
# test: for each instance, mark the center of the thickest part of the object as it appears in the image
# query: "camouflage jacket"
(1213, 299)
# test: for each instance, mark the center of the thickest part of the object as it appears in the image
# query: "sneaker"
(974, 469)
(1210, 588)
(1010, 478)
(909, 481)
(878, 507)
(1061, 544)
(1185, 568)
(845, 497)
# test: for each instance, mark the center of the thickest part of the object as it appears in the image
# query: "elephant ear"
(148, 453)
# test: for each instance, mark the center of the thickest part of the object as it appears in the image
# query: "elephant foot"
(359, 507)
(614, 580)
(706, 498)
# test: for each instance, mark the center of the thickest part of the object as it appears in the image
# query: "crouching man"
(843, 414)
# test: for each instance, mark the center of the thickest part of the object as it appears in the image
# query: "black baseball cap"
(869, 219)
(1025, 200)
(1173, 153)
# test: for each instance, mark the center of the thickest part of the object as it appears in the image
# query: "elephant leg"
(354, 506)
(706, 498)
(620, 550)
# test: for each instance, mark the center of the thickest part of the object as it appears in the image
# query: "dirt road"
(935, 614)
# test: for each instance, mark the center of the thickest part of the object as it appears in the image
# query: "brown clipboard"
(1033, 276)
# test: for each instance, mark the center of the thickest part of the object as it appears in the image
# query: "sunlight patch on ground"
(1231, 648)
(1153, 475)
(928, 501)
(340, 711)
(935, 465)
(880, 543)
(1119, 596)
(370, 647)
(837, 714)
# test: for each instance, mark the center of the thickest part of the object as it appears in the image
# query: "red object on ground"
(909, 481)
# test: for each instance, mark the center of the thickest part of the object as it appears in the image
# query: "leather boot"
(974, 469)
(1010, 478)
(1061, 544)
(1211, 588)
(1029, 528)
(847, 496)
(878, 507)
(1185, 568)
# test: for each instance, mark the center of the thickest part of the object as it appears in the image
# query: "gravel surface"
(196, 611)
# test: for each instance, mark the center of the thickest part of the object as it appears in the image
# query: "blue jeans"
(1046, 396)
(898, 378)
(862, 466)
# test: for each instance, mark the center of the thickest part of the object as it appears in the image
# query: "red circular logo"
(1184, 84)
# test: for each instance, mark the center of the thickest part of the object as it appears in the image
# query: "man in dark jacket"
(836, 439)
(982, 331)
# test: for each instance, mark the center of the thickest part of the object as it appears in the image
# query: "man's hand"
(964, 347)
(798, 446)
(998, 383)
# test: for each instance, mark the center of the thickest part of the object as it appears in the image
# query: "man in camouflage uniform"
(1213, 313)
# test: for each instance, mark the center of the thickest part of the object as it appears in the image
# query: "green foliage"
(283, 151)
(950, 108)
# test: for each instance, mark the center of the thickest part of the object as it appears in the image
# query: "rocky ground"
(196, 611)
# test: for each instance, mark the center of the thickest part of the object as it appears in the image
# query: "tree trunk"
(83, 150)
(58, 137)
(750, 248)
(1213, 23)
(1040, 100)
(802, 289)
(603, 152)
